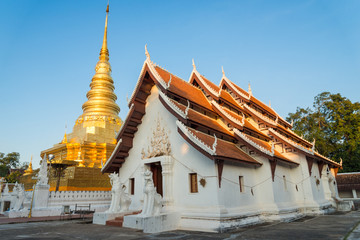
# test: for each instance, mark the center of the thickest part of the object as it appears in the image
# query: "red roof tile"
(184, 89)
(204, 120)
(224, 149)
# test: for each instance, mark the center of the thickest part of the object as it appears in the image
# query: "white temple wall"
(284, 187)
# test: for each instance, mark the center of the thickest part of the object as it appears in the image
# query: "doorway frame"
(167, 163)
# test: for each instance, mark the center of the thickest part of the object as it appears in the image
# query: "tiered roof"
(225, 122)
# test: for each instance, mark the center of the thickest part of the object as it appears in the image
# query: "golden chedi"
(29, 169)
(93, 139)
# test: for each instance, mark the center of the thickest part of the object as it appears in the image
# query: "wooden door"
(157, 176)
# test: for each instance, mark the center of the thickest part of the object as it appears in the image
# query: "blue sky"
(289, 51)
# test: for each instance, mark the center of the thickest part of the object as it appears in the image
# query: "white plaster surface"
(101, 217)
(160, 223)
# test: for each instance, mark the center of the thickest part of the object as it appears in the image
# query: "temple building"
(78, 158)
(218, 155)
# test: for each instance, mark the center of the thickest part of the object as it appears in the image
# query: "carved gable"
(159, 142)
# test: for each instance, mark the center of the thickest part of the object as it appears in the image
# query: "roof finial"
(341, 162)
(104, 53)
(64, 140)
(249, 90)
(193, 63)
(313, 145)
(146, 52)
(269, 103)
(222, 69)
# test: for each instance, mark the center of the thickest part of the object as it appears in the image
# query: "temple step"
(118, 221)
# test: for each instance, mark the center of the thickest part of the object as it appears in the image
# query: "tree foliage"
(11, 160)
(13, 177)
(334, 122)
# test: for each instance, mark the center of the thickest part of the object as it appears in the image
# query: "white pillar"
(167, 172)
(354, 193)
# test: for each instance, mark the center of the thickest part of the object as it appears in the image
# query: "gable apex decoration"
(173, 106)
(246, 139)
(249, 89)
(206, 148)
(217, 106)
(292, 143)
(235, 89)
(147, 53)
(203, 82)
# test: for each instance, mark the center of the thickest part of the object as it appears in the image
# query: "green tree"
(13, 177)
(11, 159)
(4, 170)
(334, 121)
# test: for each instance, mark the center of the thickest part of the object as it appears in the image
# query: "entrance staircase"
(118, 221)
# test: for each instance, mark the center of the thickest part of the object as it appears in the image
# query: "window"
(132, 186)
(241, 183)
(193, 183)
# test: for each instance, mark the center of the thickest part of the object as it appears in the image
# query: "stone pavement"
(6, 220)
(329, 227)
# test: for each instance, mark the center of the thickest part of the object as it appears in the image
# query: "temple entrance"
(6, 206)
(156, 170)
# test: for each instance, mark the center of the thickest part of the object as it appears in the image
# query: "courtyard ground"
(335, 226)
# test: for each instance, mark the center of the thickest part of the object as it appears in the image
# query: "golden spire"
(101, 97)
(64, 140)
(104, 52)
(29, 169)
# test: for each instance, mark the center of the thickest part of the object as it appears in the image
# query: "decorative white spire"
(223, 73)
(6, 189)
(249, 90)
(146, 52)
(42, 176)
(292, 122)
(341, 162)
(269, 103)
(193, 63)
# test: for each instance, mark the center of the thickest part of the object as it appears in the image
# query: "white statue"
(42, 176)
(152, 200)
(20, 197)
(120, 201)
(125, 200)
